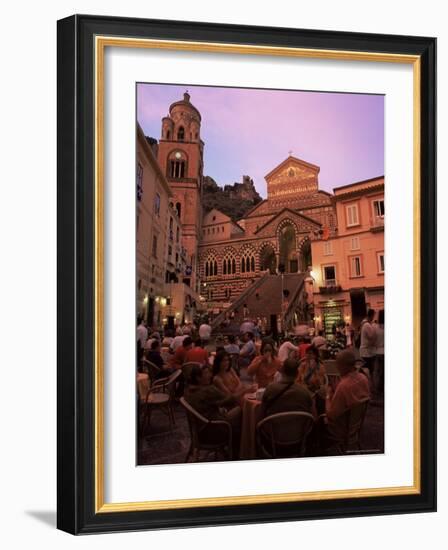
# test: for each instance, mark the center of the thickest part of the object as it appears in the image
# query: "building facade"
(153, 198)
(348, 267)
(273, 236)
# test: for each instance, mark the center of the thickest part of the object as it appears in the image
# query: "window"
(354, 243)
(328, 248)
(170, 250)
(177, 168)
(329, 272)
(352, 215)
(378, 208)
(355, 266)
(178, 208)
(177, 234)
(380, 257)
(139, 181)
(154, 246)
(181, 134)
(157, 204)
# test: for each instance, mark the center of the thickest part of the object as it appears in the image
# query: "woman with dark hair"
(265, 366)
(226, 379)
(312, 375)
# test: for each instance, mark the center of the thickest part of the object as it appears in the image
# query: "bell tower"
(180, 156)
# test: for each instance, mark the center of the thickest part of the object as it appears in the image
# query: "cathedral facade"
(274, 236)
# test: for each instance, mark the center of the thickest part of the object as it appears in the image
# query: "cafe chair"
(152, 370)
(186, 369)
(207, 435)
(160, 396)
(283, 434)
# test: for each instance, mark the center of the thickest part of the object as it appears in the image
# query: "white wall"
(28, 274)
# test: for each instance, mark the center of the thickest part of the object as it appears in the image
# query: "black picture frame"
(76, 255)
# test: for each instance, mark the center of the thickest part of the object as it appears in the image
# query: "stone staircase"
(263, 298)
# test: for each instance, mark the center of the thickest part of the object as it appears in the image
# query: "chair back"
(355, 421)
(284, 434)
(186, 369)
(196, 421)
(152, 370)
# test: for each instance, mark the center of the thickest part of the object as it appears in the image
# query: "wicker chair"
(207, 435)
(160, 395)
(284, 434)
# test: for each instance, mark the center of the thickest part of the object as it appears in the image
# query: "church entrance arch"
(288, 249)
(268, 261)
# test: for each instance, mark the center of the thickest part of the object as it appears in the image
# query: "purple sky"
(250, 131)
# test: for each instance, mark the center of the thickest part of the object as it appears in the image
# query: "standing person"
(205, 331)
(142, 336)
(367, 349)
(245, 311)
(265, 366)
(380, 353)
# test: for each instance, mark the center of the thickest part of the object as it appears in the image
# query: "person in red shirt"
(303, 346)
(352, 389)
(178, 358)
(197, 354)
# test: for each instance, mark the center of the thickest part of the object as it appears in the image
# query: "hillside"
(234, 200)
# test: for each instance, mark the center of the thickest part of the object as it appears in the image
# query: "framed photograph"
(238, 209)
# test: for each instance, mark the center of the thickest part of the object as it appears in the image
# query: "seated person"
(247, 351)
(226, 379)
(178, 358)
(197, 354)
(286, 395)
(232, 346)
(177, 340)
(264, 367)
(286, 350)
(312, 375)
(319, 341)
(154, 355)
(304, 344)
(353, 388)
(211, 402)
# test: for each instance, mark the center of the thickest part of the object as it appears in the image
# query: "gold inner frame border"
(101, 42)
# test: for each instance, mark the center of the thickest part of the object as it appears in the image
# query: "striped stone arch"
(284, 223)
(272, 244)
(265, 261)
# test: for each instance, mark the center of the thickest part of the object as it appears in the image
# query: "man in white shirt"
(205, 331)
(367, 349)
(142, 336)
(286, 350)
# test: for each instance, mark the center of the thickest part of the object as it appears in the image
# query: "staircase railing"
(290, 310)
(239, 301)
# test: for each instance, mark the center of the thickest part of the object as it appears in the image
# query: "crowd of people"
(287, 375)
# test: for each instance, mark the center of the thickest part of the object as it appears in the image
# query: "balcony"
(330, 286)
(377, 224)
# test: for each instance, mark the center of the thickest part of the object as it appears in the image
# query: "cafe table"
(251, 415)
